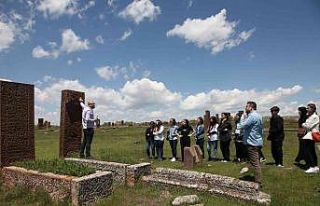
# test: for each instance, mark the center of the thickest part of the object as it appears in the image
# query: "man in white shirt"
(88, 128)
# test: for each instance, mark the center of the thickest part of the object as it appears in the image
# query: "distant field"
(287, 186)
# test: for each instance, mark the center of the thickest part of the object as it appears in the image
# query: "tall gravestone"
(16, 122)
(70, 123)
(40, 123)
(206, 120)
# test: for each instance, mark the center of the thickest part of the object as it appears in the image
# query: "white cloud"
(39, 52)
(145, 99)
(99, 39)
(70, 62)
(57, 8)
(72, 43)
(4, 79)
(215, 32)
(146, 73)
(126, 35)
(7, 35)
(107, 72)
(139, 10)
(233, 100)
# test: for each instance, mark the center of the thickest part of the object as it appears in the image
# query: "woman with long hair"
(311, 125)
(301, 132)
(213, 138)
(172, 137)
(185, 131)
(225, 128)
(158, 139)
(200, 134)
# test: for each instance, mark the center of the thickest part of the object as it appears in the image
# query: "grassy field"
(287, 186)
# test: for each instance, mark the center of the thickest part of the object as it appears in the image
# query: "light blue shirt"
(252, 127)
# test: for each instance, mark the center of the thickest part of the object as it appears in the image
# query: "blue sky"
(141, 60)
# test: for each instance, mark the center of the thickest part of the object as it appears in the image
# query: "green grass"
(287, 186)
(56, 166)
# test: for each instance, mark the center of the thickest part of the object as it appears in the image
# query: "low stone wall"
(119, 170)
(135, 172)
(122, 173)
(216, 184)
(81, 190)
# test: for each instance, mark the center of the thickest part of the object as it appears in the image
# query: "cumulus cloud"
(215, 32)
(70, 43)
(107, 72)
(233, 100)
(57, 8)
(7, 35)
(126, 35)
(140, 10)
(145, 99)
(99, 39)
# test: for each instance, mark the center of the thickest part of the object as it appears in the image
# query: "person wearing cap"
(276, 136)
(88, 121)
(311, 125)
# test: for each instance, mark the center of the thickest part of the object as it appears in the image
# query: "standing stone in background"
(70, 123)
(40, 123)
(189, 157)
(206, 120)
(16, 122)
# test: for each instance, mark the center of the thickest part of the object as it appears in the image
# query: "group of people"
(248, 136)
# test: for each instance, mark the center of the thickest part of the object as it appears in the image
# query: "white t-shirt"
(214, 128)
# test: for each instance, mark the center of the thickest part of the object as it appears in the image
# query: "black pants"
(86, 142)
(225, 149)
(300, 155)
(241, 150)
(310, 153)
(159, 149)
(184, 142)
(150, 147)
(200, 143)
(276, 150)
(173, 145)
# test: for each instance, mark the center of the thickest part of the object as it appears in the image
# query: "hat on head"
(275, 108)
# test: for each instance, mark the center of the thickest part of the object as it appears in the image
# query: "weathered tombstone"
(206, 120)
(122, 122)
(40, 123)
(70, 123)
(189, 157)
(16, 122)
(198, 152)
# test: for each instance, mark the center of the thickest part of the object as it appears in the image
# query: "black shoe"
(81, 156)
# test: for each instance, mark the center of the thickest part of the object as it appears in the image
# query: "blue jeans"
(159, 149)
(173, 145)
(150, 148)
(213, 145)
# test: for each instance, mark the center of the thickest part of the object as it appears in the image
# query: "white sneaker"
(280, 165)
(173, 159)
(244, 170)
(312, 170)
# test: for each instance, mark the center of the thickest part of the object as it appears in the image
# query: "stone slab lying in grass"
(81, 190)
(215, 184)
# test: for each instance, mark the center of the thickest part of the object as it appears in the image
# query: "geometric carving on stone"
(16, 122)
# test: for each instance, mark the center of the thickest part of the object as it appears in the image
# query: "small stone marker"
(188, 199)
(189, 157)
(40, 123)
